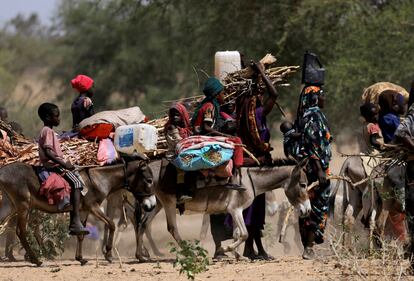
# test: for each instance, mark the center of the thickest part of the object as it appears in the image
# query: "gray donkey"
(21, 184)
(217, 199)
(374, 202)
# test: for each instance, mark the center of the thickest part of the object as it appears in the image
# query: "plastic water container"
(140, 138)
(225, 63)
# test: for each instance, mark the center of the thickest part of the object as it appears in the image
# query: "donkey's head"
(143, 188)
(296, 191)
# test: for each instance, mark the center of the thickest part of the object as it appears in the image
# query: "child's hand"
(69, 166)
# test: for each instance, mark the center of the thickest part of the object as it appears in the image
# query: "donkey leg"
(10, 240)
(380, 229)
(371, 230)
(79, 255)
(111, 208)
(238, 222)
(172, 221)
(145, 227)
(97, 212)
(21, 231)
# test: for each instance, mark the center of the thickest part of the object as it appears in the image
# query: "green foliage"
(142, 52)
(191, 258)
(53, 231)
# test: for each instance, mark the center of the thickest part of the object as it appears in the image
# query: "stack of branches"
(391, 155)
(79, 152)
(240, 82)
(236, 84)
(162, 142)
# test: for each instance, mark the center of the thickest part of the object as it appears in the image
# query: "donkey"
(374, 204)
(121, 205)
(21, 184)
(217, 199)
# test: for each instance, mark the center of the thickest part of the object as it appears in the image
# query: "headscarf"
(212, 87)
(387, 99)
(310, 97)
(186, 131)
(82, 83)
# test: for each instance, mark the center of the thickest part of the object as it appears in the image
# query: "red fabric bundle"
(82, 83)
(97, 131)
(55, 188)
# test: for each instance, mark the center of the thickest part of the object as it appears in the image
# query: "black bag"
(312, 71)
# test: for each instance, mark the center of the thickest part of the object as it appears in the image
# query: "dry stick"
(280, 109)
(119, 257)
(284, 226)
(96, 255)
(335, 177)
(344, 264)
(251, 155)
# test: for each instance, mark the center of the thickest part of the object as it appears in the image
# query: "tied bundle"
(79, 152)
(239, 83)
(236, 84)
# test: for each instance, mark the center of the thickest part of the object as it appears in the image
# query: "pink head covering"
(82, 83)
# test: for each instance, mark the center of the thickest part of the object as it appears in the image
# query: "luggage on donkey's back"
(103, 123)
(139, 138)
(201, 152)
(107, 153)
(372, 93)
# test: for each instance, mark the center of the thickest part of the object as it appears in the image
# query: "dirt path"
(286, 268)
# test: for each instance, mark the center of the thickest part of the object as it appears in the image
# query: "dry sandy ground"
(287, 268)
(288, 264)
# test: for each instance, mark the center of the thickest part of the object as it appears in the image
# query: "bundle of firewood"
(78, 151)
(236, 84)
(239, 83)
(162, 142)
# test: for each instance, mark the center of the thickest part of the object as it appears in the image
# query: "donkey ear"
(141, 156)
(303, 162)
(296, 171)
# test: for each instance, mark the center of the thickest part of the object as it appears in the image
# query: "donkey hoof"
(81, 260)
(145, 252)
(36, 262)
(141, 258)
(159, 254)
(108, 256)
(11, 259)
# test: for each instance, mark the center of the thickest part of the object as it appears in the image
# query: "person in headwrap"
(206, 118)
(82, 106)
(207, 113)
(316, 146)
(176, 129)
(391, 106)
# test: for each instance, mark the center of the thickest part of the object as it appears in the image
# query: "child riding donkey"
(51, 157)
